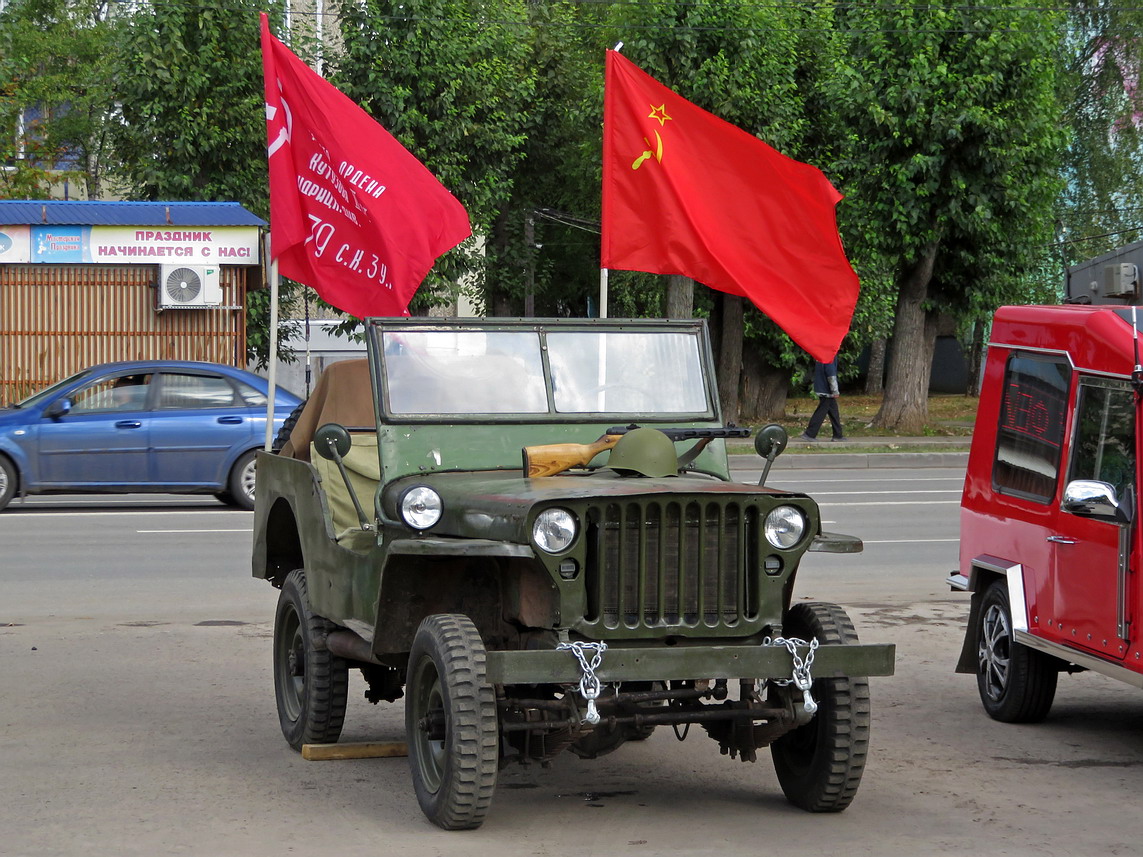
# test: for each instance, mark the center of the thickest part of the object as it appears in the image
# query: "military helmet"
(646, 452)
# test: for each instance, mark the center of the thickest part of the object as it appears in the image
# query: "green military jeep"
(529, 530)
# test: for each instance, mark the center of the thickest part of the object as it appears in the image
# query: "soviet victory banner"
(353, 214)
(685, 192)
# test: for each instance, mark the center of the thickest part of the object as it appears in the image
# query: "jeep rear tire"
(1016, 684)
(450, 723)
(819, 764)
(311, 685)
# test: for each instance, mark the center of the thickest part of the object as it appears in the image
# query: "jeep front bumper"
(695, 662)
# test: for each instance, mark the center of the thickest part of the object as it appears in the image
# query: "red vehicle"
(1049, 547)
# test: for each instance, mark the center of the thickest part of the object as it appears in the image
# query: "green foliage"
(192, 123)
(1100, 61)
(450, 80)
(55, 61)
(953, 140)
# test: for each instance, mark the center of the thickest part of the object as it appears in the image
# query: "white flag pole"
(272, 358)
(603, 293)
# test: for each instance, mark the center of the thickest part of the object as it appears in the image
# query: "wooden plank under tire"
(350, 750)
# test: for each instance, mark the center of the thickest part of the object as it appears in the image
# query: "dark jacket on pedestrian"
(825, 379)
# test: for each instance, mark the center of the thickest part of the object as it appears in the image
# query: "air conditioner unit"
(189, 286)
(1120, 280)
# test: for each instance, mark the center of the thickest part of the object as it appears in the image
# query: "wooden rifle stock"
(553, 458)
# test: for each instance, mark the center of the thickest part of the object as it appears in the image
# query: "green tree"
(1101, 206)
(192, 122)
(57, 97)
(450, 79)
(952, 164)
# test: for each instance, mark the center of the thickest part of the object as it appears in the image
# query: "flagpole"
(603, 293)
(272, 359)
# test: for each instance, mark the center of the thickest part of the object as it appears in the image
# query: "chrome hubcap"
(994, 654)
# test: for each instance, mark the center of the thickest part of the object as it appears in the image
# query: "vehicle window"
(1030, 437)
(464, 372)
(1104, 447)
(250, 396)
(117, 393)
(185, 391)
(627, 372)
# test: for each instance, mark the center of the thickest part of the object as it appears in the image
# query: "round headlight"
(421, 507)
(554, 530)
(785, 526)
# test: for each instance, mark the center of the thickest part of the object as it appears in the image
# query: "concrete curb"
(852, 460)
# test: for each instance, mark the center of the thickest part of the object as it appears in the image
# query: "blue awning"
(51, 212)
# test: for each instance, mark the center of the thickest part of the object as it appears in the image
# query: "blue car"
(154, 426)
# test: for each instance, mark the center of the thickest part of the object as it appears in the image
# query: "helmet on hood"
(644, 452)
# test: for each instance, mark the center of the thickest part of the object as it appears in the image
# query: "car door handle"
(128, 424)
(230, 421)
(1061, 540)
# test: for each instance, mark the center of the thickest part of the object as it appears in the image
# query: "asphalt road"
(137, 716)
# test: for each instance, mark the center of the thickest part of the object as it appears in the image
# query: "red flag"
(685, 192)
(352, 213)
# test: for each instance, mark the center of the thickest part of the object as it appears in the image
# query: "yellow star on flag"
(659, 113)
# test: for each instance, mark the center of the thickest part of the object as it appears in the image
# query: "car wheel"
(1016, 684)
(311, 685)
(240, 485)
(819, 765)
(9, 481)
(450, 723)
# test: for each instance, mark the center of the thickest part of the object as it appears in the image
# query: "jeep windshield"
(545, 371)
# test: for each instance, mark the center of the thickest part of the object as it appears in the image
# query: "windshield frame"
(376, 328)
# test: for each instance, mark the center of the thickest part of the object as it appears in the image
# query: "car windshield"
(457, 372)
(48, 392)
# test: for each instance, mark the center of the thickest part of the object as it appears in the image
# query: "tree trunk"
(905, 407)
(680, 296)
(974, 359)
(764, 389)
(875, 377)
(730, 356)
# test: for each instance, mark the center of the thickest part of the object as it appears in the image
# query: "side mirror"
(1089, 498)
(332, 441)
(58, 408)
(769, 443)
(771, 439)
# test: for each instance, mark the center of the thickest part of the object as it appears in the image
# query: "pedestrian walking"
(825, 388)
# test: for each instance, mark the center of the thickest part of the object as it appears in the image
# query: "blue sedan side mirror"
(58, 408)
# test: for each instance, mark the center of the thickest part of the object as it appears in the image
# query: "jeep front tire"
(450, 723)
(819, 765)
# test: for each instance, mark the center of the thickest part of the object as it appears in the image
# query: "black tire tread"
(845, 705)
(469, 783)
(327, 676)
(287, 428)
(1032, 675)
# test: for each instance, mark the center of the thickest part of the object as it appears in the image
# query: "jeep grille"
(678, 563)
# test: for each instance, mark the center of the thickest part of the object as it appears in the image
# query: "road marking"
(901, 503)
(150, 532)
(876, 493)
(21, 514)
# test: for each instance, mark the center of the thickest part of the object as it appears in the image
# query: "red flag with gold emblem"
(353, 214)
(685, 192)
